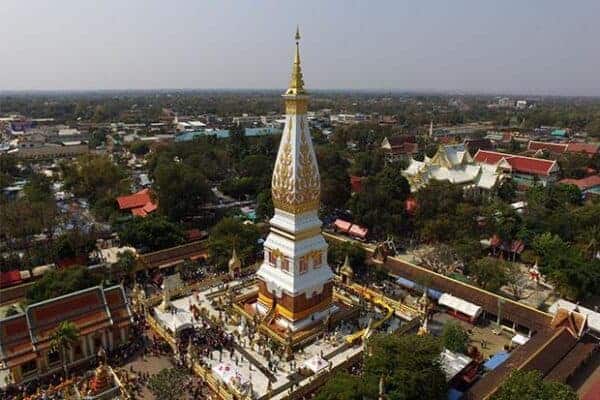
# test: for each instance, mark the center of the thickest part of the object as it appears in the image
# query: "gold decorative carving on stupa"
(296, 186)
(277, 253)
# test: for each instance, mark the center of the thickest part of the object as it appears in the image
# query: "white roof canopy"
(315, 364)
(460, 305)
(230, 374)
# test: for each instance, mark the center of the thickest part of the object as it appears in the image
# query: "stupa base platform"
(304, 331)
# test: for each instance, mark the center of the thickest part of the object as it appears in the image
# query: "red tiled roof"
(356, 184)
(86, 309)
(195, 234)
(117, 304)
(15, 342)
(583, 183)
(551, 147)
(411, 205)
(89, 309)
(528, 165)
(10, 278)
(71, 261)
(140, 204)
(588, 148)
(135, 200)
(395, 141)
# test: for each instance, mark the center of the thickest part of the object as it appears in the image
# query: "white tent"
(464, 307)
(315, 364)
(182, 319)
(453, 363)
(230, 374)
(520, 339)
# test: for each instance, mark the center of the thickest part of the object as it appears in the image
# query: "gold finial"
(296, 83)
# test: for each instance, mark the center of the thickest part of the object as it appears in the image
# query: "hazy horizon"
(534, 48)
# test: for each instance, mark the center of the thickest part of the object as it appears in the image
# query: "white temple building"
(454, 164)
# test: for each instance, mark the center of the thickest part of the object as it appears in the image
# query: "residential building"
(589, 149)
(402, 147)
(523, 170)
(139, 204)
(590, 185)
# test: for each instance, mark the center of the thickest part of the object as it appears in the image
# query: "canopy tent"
(495, 361)
(453, 363)
(181, 319)
(407, 283)
(454, 394)
(315, 364)
(358, 231)
(341, 225)
(230, 374)
(464, 307)
(520, 339)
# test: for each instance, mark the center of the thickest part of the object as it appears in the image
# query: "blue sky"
(533, 46)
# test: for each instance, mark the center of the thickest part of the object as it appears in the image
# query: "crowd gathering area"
(203, 329)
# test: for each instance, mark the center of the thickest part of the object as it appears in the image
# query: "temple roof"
(91, 309)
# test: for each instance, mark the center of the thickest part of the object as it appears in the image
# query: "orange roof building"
(587, 185)
(101, 315)
(139, 204)
(523, 169)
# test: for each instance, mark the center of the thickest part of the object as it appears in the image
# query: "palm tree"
(62, 340)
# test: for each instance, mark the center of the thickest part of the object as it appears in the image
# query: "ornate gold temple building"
(295, 281)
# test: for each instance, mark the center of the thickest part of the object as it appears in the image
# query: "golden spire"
(296, 83)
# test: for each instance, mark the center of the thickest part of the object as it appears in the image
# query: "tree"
(368, 163)
(168, 384)
(507, 190)
(375, 208)
(392, 181)
(335, 181)
(529, 385)
(455, 337)
(38, 189)
(56, 283)
(409, 364)
(338, 251)
(264, 205)
(126, 263)
(62, 339)
(139, 148)
(342, 386)
(489, 273)
(154, 232)
(573, 275)
(181, 189)
(94, 177)
(231, 233)
(515, 280)
(73, 244)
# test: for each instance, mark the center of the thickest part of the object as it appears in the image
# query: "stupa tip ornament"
(296, 82)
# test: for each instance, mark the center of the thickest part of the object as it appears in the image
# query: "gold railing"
(162, 332)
